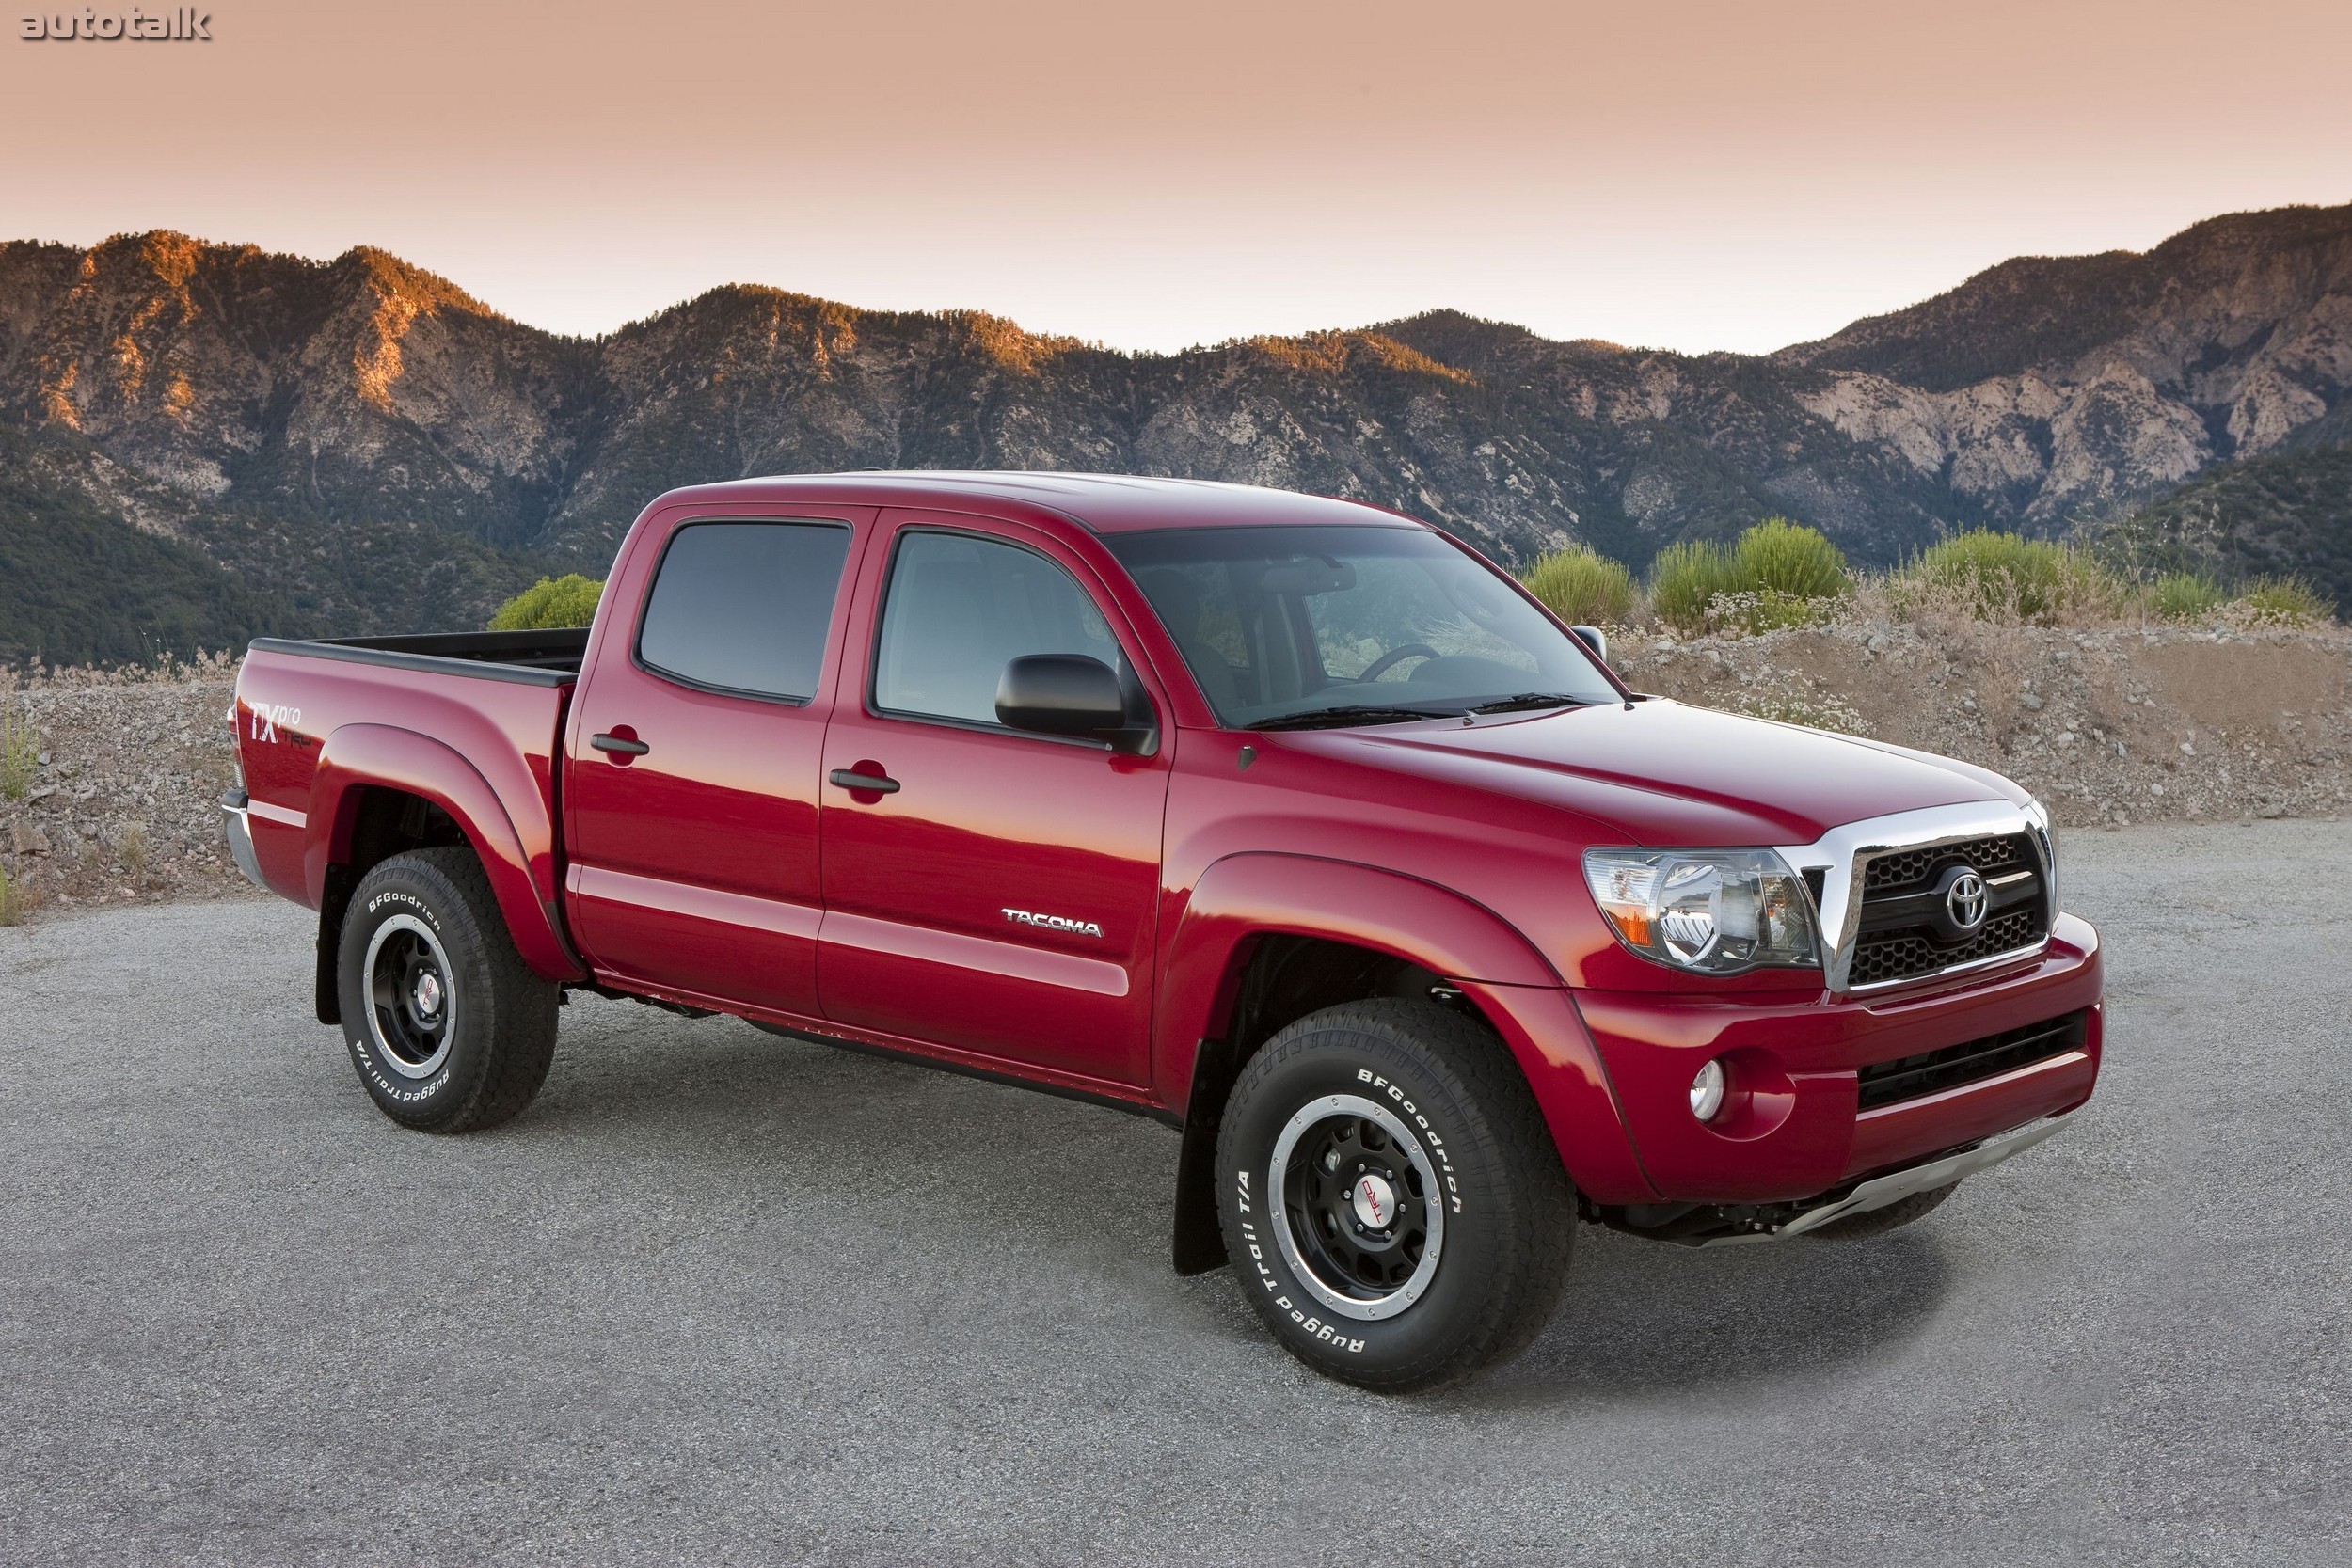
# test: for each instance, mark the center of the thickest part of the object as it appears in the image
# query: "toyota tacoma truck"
(1288, 821)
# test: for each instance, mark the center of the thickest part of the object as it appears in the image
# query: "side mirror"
(1592, 638)
(1068, 694)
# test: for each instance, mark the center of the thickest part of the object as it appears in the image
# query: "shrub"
(131, 851)
(1582, 588)
(1688, 578)
(20, 754)
(2282, 602)
(550, 603)
(13, 903)
(1787, 559)
(2000, 577)
(1779, 574)
(2184, 596)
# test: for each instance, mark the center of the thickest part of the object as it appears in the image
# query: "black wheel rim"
(412, 999)
(1362, 1219)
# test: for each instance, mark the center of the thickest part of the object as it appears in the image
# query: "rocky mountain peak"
(178, 384)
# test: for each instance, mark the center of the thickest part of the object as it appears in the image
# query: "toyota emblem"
(1964, 900)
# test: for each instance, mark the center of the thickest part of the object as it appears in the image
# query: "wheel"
(450, 1031)
(1393, 1204)
(1878, 1222)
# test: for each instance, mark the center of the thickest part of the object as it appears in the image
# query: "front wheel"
(450, 1030)
(1393, 1204)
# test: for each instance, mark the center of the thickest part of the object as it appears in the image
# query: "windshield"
(1290, 627)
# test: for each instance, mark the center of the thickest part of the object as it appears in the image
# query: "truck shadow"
(1640, 1319)
(1082, 1192)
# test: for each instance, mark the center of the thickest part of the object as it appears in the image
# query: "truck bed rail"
(525, 657)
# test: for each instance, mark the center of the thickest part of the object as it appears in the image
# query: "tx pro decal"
(268, 716)
(1055, 923)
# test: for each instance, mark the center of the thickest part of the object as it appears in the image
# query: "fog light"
(1707, 1091)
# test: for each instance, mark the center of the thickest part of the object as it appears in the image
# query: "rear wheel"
(449, 1029)
(1393, 1202)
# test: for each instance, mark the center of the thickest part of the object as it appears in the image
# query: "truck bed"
(470, 723)
(528, 657)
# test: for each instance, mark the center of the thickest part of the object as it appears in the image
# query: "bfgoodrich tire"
(1393, 1205)
(449, 1030)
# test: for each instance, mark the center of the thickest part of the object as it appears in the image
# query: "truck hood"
(1659, 773)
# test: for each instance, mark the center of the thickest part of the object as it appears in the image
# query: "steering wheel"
(1389, 660)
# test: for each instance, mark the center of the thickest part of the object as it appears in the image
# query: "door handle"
(849, 778)
(621, 744)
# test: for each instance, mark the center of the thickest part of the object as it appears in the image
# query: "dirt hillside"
(121, 772)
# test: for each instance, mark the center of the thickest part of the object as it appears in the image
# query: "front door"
(691, 794)
(985, 889)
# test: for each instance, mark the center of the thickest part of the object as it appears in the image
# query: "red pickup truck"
(1288, 821)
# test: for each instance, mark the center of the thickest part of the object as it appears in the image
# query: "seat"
(1178, 602)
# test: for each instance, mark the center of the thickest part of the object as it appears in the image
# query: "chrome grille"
(1902, 936)
(1882, 957)
(1883, 889)
(1911, 867)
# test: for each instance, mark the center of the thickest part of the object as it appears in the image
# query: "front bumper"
(238, 827)
(1793, 1127)
(1880, 1191)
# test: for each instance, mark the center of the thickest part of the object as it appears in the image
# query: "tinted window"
(1277, 621)
(744, 606)
(961, 609)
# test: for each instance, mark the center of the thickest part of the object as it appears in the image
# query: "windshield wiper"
(1531, 700)
(1352, 713)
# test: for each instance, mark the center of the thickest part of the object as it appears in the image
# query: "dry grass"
(131, 852)
(20, 751)
(1778, 575)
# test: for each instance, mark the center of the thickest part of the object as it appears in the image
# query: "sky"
(1696, 175)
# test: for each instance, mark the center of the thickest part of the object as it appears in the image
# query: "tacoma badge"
(1055, 923)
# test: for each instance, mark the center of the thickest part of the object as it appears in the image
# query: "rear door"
(691, 794)
(997, 893)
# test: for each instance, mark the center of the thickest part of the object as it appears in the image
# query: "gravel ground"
(721, 1297)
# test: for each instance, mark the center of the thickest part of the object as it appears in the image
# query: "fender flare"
(357, 756)
(1253, 894)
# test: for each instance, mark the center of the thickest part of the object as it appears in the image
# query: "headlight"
(1718, 911)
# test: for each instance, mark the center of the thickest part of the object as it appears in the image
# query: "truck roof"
(1106, 504)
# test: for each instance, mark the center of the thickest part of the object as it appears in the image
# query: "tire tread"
(521, 1006)
(1509, 1133)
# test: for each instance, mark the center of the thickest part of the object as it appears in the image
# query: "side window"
(961, 609)
(744, 606)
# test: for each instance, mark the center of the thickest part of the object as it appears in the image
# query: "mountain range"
(201, 441)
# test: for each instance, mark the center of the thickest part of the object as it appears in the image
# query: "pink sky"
(1693, 176)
